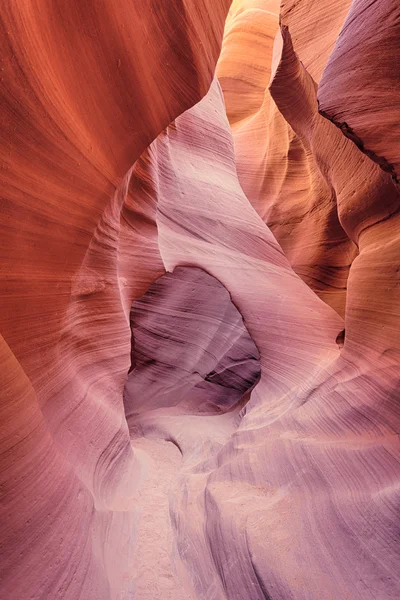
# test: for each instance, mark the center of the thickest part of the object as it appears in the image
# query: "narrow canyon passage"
(199, 307)
(156, 567)
(193, 364)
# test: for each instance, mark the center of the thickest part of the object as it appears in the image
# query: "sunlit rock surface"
(280, 159)
(278, 184)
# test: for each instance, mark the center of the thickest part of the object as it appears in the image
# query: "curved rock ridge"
(280, 167)
(299, 501)
(84, 88)
(362, 99)
(244, 65)
(127, 181)
(190, 348)
(314, 27)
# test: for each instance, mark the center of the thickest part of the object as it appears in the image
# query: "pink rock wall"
(84, 89)
(275, 511)
(291, 492)
(191, 351)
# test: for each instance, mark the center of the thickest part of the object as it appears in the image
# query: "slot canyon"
(200, 300)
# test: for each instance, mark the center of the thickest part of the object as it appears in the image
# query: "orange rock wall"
(85, 87)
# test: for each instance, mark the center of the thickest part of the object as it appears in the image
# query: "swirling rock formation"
(312, 410)
(107, 184)
(190, 348)
(279, 170)
(367, 114)
(84, 89)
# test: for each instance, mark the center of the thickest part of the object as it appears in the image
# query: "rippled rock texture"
(190, 349)
(249, 221)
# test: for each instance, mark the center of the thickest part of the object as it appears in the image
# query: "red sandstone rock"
(278, 168)
(293, 495)
(85, 87)
(275, 510)
(362, 98)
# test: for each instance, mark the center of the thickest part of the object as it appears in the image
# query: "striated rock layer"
(281, 166)
(367, 114)
(275, 511)
(85, 87)
(272, 205)
(190, 348)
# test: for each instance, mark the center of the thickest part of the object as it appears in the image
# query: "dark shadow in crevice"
(191, 351)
